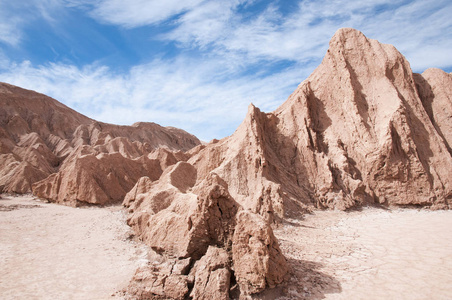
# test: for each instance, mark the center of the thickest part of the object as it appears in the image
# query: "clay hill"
(72, 159)
(362, 129)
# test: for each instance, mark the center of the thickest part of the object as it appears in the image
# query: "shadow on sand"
(304, 281)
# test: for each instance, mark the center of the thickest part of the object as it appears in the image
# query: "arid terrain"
(373, 253)
(278, 209)
(50, 251)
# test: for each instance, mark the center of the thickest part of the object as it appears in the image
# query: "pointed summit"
(356, 131)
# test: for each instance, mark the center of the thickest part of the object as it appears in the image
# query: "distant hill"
(40, 137)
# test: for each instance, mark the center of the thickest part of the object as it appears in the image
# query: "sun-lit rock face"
(68, 158)
(361, 129)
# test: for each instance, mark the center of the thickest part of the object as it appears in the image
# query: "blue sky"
(197, 64)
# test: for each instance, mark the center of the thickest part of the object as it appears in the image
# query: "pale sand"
(50, 251)
(370, 254)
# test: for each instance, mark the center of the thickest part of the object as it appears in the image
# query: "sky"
(196, 64)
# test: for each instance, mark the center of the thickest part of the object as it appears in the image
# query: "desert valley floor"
(49, 251)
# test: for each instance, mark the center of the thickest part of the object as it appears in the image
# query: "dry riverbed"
(370, 254)
(49, 251)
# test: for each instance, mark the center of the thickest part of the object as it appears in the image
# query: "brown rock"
(40, 137)
(258, 261)
(181, 220)
(361, 129)
(435, 90)
(147, 283)
(95, 178)
(212, 275)
(203, 223)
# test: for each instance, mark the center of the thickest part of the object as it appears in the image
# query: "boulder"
(212, 275)
(257, 258)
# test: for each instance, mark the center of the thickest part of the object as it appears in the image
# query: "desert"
(342, 192)
(87, 253)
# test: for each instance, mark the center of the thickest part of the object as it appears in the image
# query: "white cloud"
(10, 32)
(182, 93)
(134, 13)
(15, 15)
(303, 34)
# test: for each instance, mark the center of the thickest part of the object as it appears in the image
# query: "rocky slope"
(362, 129)
(66, 157)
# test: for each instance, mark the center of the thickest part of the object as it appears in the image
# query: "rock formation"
(182, 218)
(68, 158)
(362, 129)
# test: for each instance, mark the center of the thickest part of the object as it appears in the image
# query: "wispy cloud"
(303, 34)
(15, 15)
(134, 13)
(10, 31)
(183, 93)
(228, 53)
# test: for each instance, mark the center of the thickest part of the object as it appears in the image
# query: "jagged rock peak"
(46, 146)
(358, 130)
(362, 129)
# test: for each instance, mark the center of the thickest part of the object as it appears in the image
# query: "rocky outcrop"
(362, 129)
(180, 219)
(258, 261)
(213, 275)
(435, 90)
(68, 158)
(95, 178)
(183, 218)
(161, 280)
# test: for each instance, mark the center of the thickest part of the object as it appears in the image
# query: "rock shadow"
(305, 281)
(425, 92)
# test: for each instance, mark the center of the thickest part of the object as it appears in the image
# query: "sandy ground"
(370, 254)
(49, 251)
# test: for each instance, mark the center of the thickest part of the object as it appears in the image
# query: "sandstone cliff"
(66, 157)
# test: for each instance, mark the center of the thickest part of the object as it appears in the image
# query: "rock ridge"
(63, 156)
(362, 129)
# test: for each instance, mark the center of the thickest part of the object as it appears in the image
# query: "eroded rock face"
(258, 261)
(68, 158)
(167, 280)
(181, 219)
(361, 129)
(212, 275)
(95, 178)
